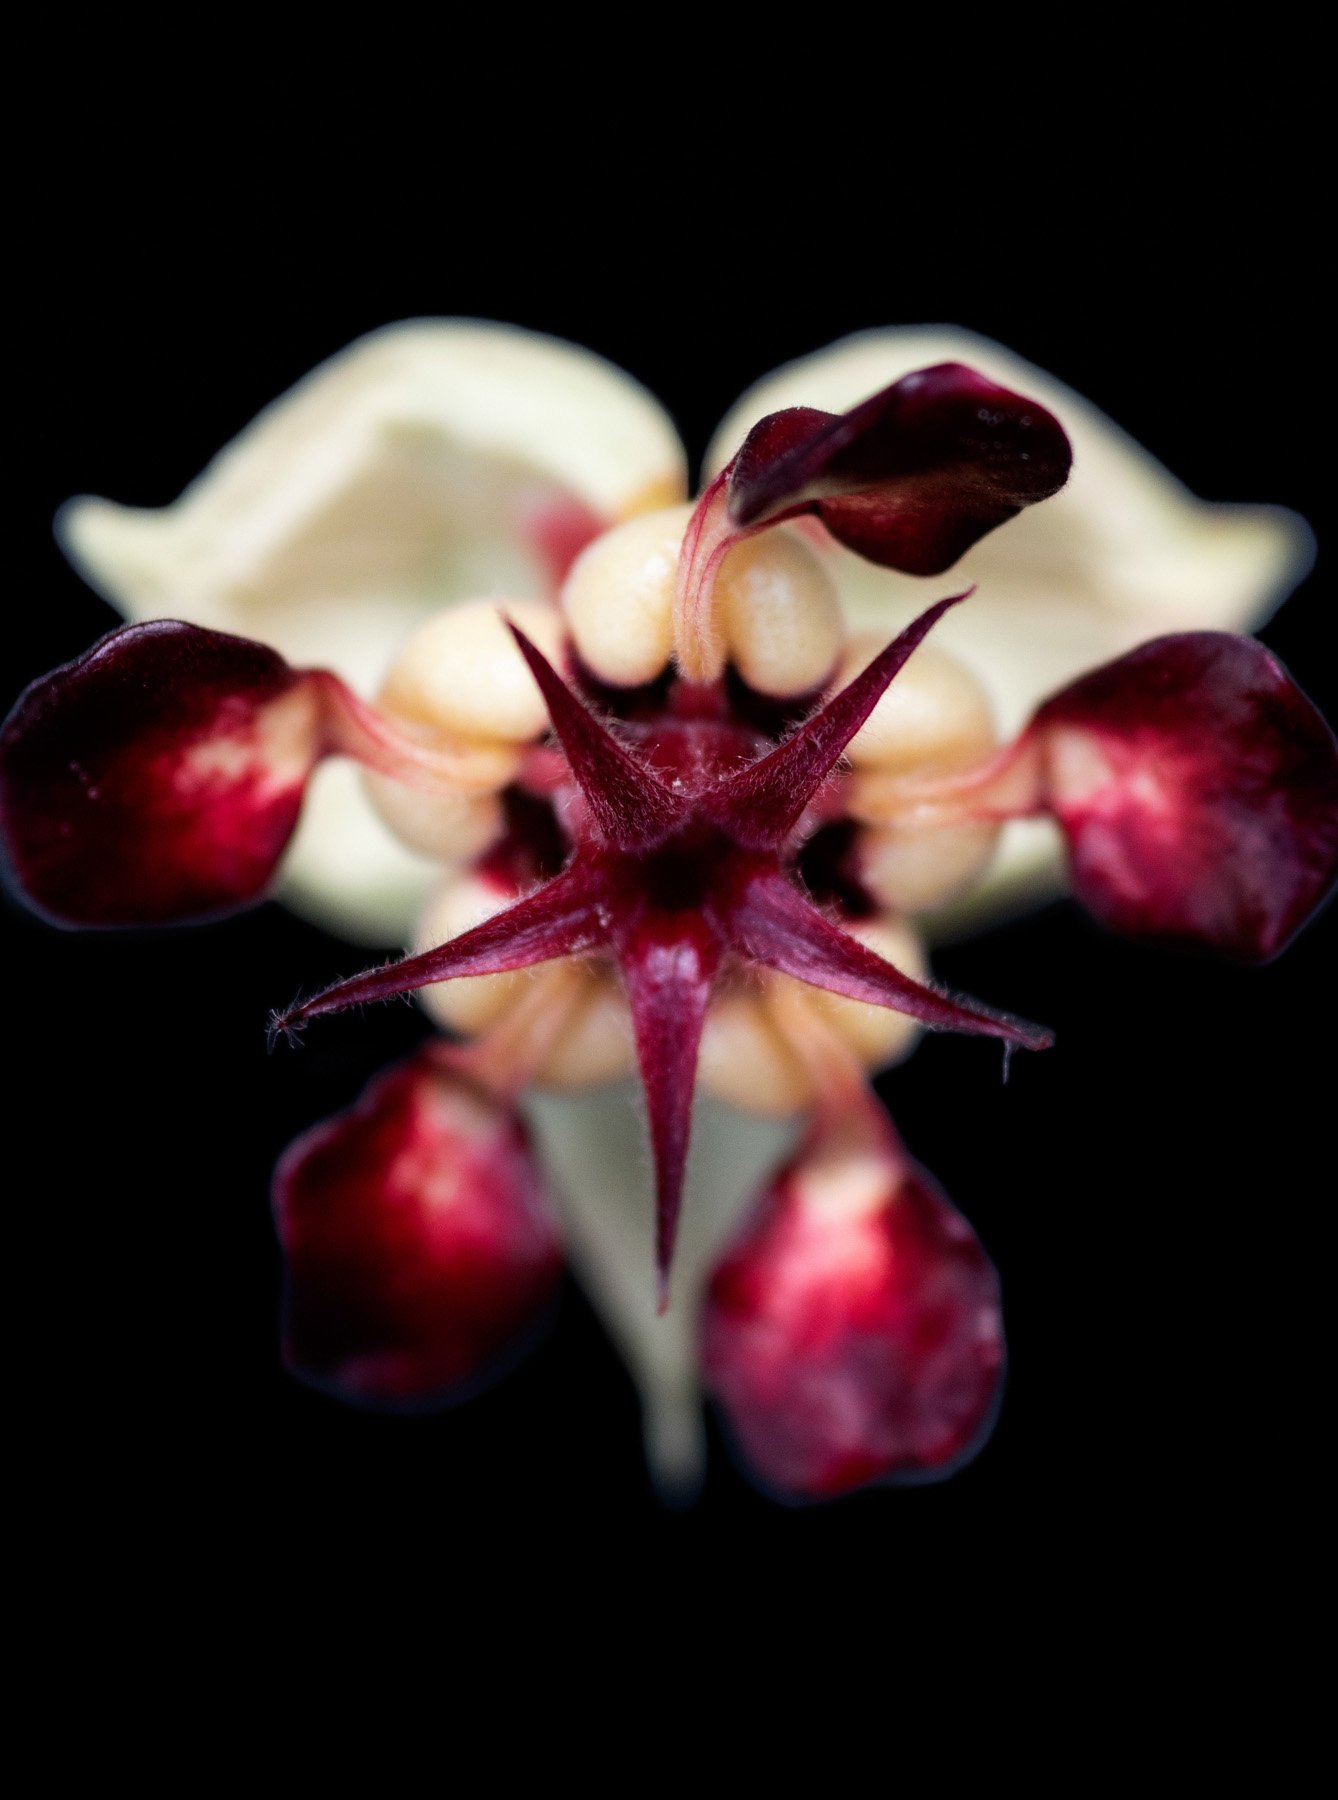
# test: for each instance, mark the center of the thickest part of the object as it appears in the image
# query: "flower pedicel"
(688, 818)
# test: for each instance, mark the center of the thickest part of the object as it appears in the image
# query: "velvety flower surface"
(439, 651)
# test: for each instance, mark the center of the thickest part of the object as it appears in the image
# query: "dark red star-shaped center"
(683, 860)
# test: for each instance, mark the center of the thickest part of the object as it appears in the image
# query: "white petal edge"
(347, 872)
(1123, 553)
(390, 482)
(597, 1151)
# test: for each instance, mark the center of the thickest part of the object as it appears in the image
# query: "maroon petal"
(773, 924)
(853, 1333)
(910, 478)
(157, 778)
(1198, 789)
(761, 805)
(418, 1242)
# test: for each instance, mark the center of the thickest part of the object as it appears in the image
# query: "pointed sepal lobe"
(669, 966)
(630, 805)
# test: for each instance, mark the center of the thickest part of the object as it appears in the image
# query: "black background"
(1151, 1189)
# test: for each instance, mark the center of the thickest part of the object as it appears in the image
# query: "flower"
(684, 766)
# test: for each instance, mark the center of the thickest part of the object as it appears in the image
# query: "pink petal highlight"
(1198, 789)
(852, 1332)
(910, 478)
(157, 778)
(419, 1246)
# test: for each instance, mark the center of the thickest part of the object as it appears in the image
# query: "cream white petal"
(346, 871)
(596, 1149)
(396, 478)
(1123, 553)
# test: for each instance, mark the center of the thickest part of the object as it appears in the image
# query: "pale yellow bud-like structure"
(778, 609)
(446, 826)
(460, 682)
(910, 869)
(619, 597)
(744, 1059)
(462, 675)
(596, 1045)
(780, 613)
(934, 719)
